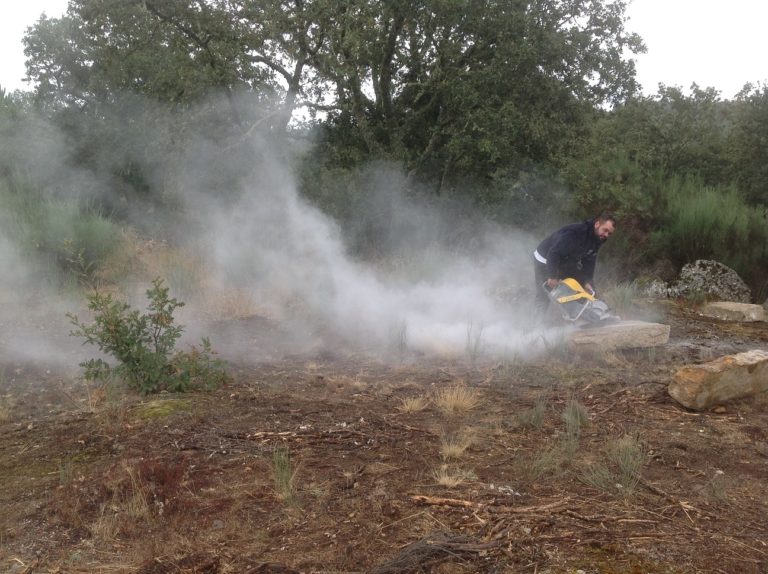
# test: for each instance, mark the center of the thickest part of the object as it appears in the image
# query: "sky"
(715, 43)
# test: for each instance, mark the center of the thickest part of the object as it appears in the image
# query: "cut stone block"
(621, 335)
(731, 311)
(704, 386)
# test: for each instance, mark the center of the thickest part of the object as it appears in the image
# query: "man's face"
(604, 229)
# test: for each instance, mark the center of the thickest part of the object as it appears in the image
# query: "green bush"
(143, 345)
(711, 223)
(72, 240)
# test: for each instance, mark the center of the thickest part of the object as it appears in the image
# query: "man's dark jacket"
(571, 251)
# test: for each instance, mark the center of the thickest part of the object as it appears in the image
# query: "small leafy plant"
(144, 345)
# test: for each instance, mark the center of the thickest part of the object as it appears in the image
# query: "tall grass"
(284, 474)
(703, 222)
(71, 240)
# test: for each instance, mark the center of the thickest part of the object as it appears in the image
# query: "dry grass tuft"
(284, 474)
(136, 504)
(457, 399)
(107, 526)
(410, 405)
(5, 410)
(227, 303)
(452, 477)
(453, 446)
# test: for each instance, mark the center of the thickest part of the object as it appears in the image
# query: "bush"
(712, 223)
(143, 345)
(72, 239)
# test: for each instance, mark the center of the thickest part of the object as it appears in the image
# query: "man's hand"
(552, 283)
(590, 289)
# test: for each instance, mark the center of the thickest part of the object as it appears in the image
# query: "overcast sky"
(716, 43)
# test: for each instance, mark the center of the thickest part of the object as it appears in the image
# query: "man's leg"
(541, 300)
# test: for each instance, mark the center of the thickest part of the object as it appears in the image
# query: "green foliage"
(748, 145)
(711, 223)
(73, 241)
(144, 345)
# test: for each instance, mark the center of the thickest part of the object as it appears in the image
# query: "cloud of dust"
(427, 291)
(441, 282)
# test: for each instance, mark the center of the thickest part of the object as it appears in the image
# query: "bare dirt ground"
(313, 463)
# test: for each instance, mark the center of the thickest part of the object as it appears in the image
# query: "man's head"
(605, 225)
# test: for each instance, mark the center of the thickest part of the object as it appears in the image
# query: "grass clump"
(619, 472)
(161, 409)
(144, 345)
(576, 417)
(411, 405)
(532, 418)
(456, 399)
(628, 456)
(284, 474)
(547, 462)
(453, 445)
(452, 477)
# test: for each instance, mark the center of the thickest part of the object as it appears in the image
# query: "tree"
(748, 142)
(449, 86)
(474, 88)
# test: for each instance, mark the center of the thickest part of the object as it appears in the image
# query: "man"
(571, 251)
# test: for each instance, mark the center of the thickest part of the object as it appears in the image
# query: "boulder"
(621, 335)
(729, 311)
(713, 279)
(704, 386)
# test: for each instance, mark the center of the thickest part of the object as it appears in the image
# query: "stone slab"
(700, 387)
(621, 335)
(731, 311)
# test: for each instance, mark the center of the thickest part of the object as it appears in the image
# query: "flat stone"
(701, 387)
(730, 311)
(621, 335)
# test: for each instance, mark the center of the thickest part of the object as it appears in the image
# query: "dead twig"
(490, 507)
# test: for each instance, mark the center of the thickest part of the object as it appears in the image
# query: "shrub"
(712, 223)
(73, 240)
(143, 345)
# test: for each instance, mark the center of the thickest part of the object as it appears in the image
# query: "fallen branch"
(492, 507)
(432, 550)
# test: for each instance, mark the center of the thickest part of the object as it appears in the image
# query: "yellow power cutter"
(578, 306)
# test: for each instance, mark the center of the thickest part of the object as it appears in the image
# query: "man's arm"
(589, 272)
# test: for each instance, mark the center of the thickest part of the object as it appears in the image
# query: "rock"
(621, 335)
(704, 386)
(730, 311)
(712, 279)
